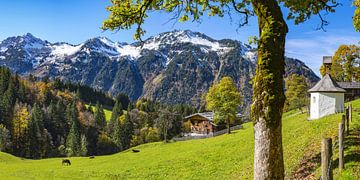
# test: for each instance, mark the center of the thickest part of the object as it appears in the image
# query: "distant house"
(327, 97)
(203, 123)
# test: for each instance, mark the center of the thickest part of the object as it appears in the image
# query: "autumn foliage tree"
(356, 17)
(268, 95)
(345, 64)
(224, 99)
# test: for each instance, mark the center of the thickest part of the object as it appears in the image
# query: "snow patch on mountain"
(65, 49)
(250, 55)
(129, 50)
(3, 49)
(214, 46)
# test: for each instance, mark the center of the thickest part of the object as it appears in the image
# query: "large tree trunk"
(268, 97)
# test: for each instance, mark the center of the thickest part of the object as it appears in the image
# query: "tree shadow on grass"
(307, 167)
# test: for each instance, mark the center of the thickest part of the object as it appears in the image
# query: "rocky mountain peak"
(172, 67)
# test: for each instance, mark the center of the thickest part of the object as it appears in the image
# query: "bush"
(105, 145)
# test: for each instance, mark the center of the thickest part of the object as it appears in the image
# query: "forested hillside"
(41, 119)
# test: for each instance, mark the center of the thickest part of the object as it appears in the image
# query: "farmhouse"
(327, 97)
(203, 123)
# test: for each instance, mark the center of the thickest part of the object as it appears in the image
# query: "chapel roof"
(327, 84)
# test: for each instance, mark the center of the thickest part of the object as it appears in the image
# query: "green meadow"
(228, 156)
(106, 111)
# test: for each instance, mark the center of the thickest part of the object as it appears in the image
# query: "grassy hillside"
(222, 157)
(107, 112)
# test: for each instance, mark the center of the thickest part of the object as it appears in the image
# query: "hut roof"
(208, 115)
(327, 84)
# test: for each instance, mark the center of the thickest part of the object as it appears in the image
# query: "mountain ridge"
(171, 67)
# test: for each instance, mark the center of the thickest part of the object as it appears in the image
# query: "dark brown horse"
(66, 162)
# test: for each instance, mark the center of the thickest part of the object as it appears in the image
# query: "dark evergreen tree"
(99, 116)
(7, 104)
(127, 131)
(34, 133)
(123, 99)
(73, 141)
(92, 136)
(61, 122)
(117, 135)
(48, 97)
(4, 79)
(116, 112)
(22, 93)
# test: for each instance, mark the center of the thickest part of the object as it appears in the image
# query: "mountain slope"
(223, 157)
(172, 67)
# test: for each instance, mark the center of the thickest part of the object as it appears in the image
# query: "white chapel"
(327, 97)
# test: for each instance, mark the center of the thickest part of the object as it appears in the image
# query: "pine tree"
(22, 93)
(73, 141)
(61, 122)
(84, 144)
(117, 135)
(5, 139)
(4, 79)
(116, 112)
(123, 99)
(34, 133)
(99, 116)
(127, 131)
(7, 104)
(74, 137)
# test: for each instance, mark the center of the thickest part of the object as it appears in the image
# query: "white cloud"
(311, 49)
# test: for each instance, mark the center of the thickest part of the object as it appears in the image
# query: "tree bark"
(268, 88)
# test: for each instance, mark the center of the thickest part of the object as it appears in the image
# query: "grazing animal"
(66, 162)
(91, 157)
(135, 150)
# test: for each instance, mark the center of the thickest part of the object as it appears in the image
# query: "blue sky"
(75, 21)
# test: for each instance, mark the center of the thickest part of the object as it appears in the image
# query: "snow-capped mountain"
(172, 67)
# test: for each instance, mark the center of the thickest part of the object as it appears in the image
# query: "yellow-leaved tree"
(20, 123)
(345, 64)
(224, 99)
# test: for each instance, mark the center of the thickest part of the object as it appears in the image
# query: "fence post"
(341, 147)
(326, 159)
(346, 120)
(350, 112)
(343, 121)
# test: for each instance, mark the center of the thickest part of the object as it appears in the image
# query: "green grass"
(351, 149)
(223, 157)
(108, 112)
